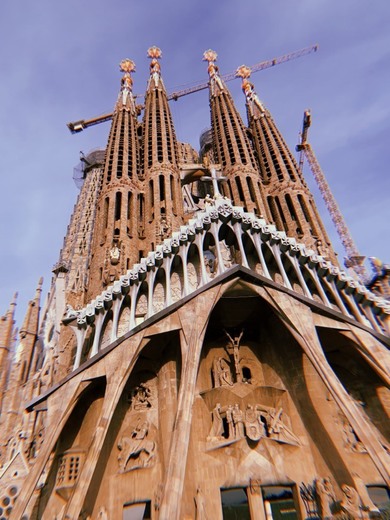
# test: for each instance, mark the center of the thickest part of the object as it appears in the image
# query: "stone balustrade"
(218, 238)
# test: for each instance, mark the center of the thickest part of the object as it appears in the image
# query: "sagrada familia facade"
(200, 355)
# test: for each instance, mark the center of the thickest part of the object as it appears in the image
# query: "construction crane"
(78, 126)
(353, 259)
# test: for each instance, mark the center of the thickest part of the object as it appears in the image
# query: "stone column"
(299, 321)
(194, 317)
(167, 392)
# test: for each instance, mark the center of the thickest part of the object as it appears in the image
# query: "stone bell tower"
(287, 198)
(231, 145)
(162, 209)
(119, 213)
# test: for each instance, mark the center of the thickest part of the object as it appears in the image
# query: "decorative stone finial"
(154, 52)
(127, 65)
(248, 88)
(243, 72)
(155, 69)
(210, 55)
(216, 84)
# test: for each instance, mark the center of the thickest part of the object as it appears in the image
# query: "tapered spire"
(288, 200)
(114, 246)
(7, 324)
(122, 157)
(159, 138)
(28, 335)
(232, 148)
(163, 205)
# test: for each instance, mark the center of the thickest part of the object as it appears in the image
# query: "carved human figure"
(226, 255)
(136, 447)
(230, 422)
(200, 505)
(321, 250)
(365, 498)
(235, 346)
(326, 496)
(351, 439)
(217, 426)
(222, 374)
(261, 415)
(140, 397)
(254, 427)
(115, 254)
(351, 501)
(111, 267)
(278, 430)
(238, 419)
(210, 263)
(164, 228)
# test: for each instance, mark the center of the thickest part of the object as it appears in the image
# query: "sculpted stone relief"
(112, 267)
(228, 372)
(140, 397)
(326, 496)
(351, 440)
(136, 446)
(200, 505)
(241, 417)
(320, 500)
(136, 450)
(163, 229)
(230, 423)
(221, 372)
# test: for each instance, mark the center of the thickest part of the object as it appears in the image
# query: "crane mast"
(353, 259)
(78, 126)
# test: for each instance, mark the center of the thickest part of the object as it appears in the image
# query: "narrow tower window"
(240, 190)
(129, 212)
(106, 207)
(306, 213)
(162, 187)
(290, 207)
(271, 205)
(173, 196)
(293, 214)
(280, 210)
(150, 199)
(118, 205)
(251, 189)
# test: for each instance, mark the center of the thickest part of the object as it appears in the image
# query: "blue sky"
(59, 63)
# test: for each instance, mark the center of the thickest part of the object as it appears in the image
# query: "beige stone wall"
(141, 419)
